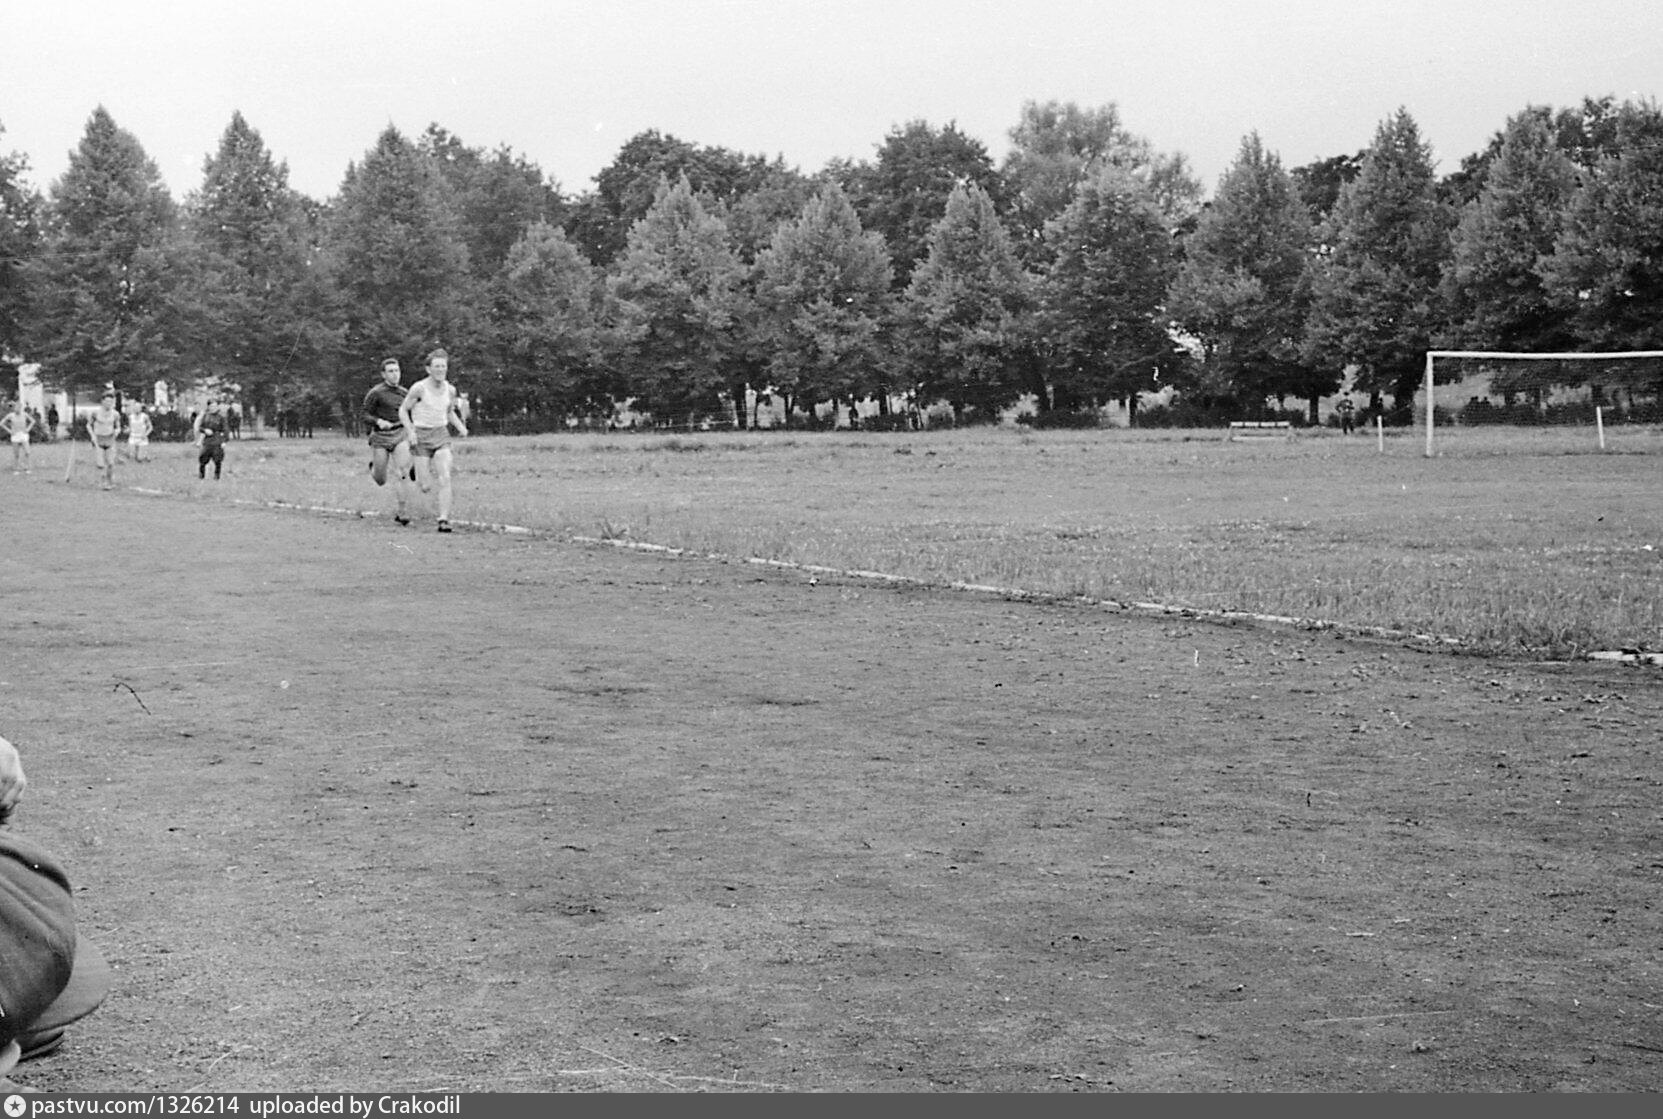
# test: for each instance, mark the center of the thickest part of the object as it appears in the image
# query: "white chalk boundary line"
(1160, 609)
(1017, 593)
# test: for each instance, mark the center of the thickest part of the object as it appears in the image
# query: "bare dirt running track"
(355, 807)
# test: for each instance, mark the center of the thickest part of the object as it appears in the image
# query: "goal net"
(1471, 390)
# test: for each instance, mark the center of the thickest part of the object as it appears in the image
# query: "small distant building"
(29, 387)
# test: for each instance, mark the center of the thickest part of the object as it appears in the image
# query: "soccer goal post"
(1648, 365)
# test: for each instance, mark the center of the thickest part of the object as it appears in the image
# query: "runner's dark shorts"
(387, 440)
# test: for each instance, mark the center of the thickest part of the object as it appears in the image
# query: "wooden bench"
(1260, 429)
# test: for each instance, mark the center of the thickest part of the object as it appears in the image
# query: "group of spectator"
(295, 423)
(117, 432)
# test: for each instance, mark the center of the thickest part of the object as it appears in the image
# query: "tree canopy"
(904, 193)
(1079, 270)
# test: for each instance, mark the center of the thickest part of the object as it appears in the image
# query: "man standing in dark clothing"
(211, 432)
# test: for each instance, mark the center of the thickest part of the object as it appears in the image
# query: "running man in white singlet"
(429, 413)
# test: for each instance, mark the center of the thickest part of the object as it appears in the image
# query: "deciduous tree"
(600, 221)
(1585, 134)
(1058, 146)
(774, 197)
(1320, 182)
(1607, 261)
(904, 193)
(498, 196)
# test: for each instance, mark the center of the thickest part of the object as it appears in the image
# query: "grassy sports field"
(350, 806)
(1522, 542)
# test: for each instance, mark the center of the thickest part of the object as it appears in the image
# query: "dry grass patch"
(1519, 542)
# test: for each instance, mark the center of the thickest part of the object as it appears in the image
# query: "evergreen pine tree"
(676, 296)
(970, 306)
(823, 301)
(20, 208)
(399, 264)
(1241, 287)
(1376, 290)
(252, 303)
(1496, 297)
(1105, 317)
(545, 320)
(101, 287)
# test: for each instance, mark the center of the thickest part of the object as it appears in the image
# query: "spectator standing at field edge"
(389, 442)
(17, 424)
(211, 432)
(429, 412)
(139, 427)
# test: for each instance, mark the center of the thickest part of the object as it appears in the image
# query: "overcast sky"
(565, 84)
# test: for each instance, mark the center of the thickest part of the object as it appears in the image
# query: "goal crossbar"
(1516, 355)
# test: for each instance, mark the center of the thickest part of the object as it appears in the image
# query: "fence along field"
(1530, 543)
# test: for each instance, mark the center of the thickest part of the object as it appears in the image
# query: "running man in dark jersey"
(389, 442)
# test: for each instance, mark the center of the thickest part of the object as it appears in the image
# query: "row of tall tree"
(1087, 267)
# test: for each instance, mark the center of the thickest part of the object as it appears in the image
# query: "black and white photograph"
(766, 547)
